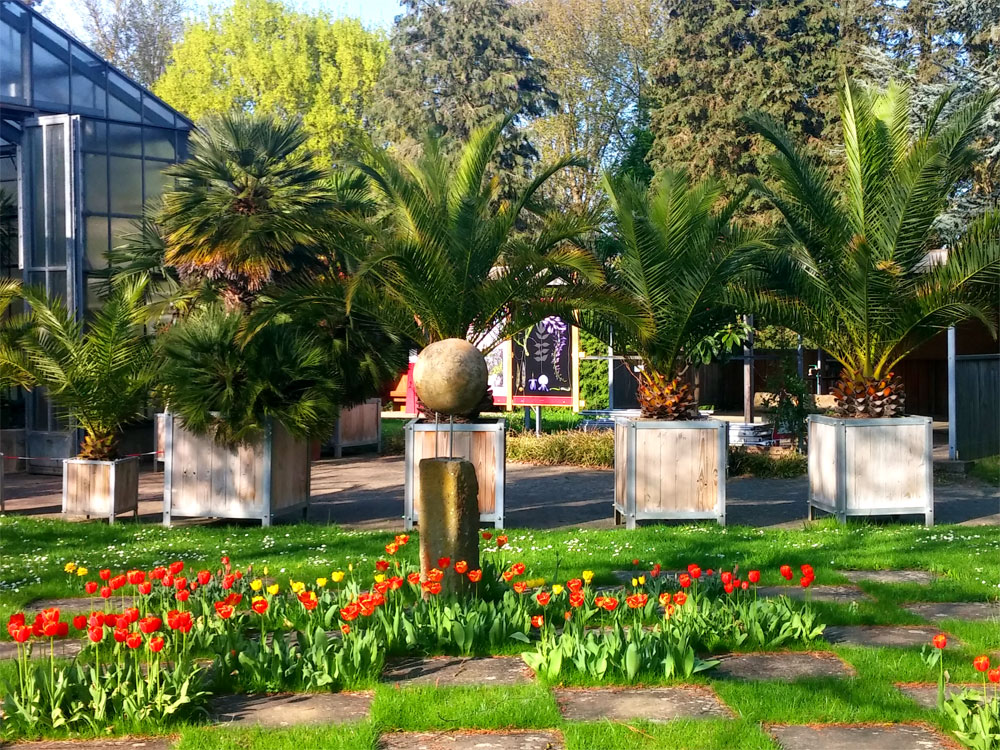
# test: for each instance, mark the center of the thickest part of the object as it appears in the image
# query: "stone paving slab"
(925, 694)
(65, 648)
(76, 605)
(893, 636)
(528, 740)
(451, 670)
(649, 704)
(290, 709)
(889, 737)
(783, 666)
(974, 611)
(154, 743)
(820, 593)
(922, 577)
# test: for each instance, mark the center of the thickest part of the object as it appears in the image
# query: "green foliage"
(594, 449)
(790, 400)
(220, 382)
(263, 56)
(763, 465)
(593, 374)
(851, 271)
(100, 373)
(975, 718)
(715, 57)
(456, 64)
(449, 261)
(680, 257)
(249, 208)
(987, 469)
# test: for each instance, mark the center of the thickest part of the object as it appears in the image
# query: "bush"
(743, 462)
(589, 449)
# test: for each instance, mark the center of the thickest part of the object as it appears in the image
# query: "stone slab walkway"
(896, 737)
(290, 709)
(452, 670)
(891, 636)
(922, 577)
(975, 611)
(64, 648)
(783, 666)
(128, 743)
(925, 694)
(76, 605)
(531, 740)
(647, 704)
(818, 593)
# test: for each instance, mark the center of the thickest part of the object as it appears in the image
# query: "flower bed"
(147, 666)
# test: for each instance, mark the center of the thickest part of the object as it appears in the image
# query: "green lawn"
(35, 551)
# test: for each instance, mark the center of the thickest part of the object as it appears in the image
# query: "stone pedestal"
(449, 517)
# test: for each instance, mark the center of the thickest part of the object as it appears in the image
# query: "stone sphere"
(450, 377)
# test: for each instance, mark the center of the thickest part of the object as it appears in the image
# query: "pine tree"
(454, 65)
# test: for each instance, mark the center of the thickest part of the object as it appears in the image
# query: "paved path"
(367, 493)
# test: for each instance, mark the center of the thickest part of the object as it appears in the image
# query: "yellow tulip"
(256, 584)
(265, 570)
(298, 587)
(273, 590)
(81, 571)
(379, 578)
(337, 576)
(587, 576)
(321, 582)
(556, 589)
(69, 567)
(635, 582)
(642, 580)
(350, 567)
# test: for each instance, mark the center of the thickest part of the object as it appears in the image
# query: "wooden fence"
(977, 402)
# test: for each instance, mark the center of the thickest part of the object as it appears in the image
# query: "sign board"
(545, 365)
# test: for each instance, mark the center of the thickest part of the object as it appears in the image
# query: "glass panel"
(95, 134)
(40, 409)
(126, 185)
(120, 229)
(159, 143)
(57, 284)
(156, 181)
(37, 279)
(95, 291)
(88, 81)
(123, 99)
(124, 139)
(50, 77)
(97, 242)
(95, 183)
(155, 113)
(56, 158)
(11, 75)
(36, 208)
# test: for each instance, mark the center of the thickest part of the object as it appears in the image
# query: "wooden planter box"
(359, 425)
(485, 445)
(871, 467)
(670, 470)
(258, 481)
(100, 488)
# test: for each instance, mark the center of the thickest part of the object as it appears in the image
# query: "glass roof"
(44, 70)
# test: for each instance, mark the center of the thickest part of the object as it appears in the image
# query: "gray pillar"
(952, 437)
(748, 372)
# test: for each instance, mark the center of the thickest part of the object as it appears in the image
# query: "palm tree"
(100, 372)
(853, 269)
(249, 208)
(681, 256)
(12, 329)
(451, 259)
(226, 380)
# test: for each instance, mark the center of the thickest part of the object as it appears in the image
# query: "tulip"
(487, 535)
(556, 589)
(204, 577)
(432, 587)
(684, 580)
(225, 611)
(940, 640)
(80, 622)
(475, 575)
(21, 634)
(520, 587)
(993, 675)
(461, 567)
(694, 571)
(146, 588)
(105, 574)
(156, 644)
(543, 598)
(726, 577)
(680, 598)
(610, 603)
(981, 663)
(81, 571)
(105, 592)
(345, 628)
(96, 635)
(120, 634)
(133, 640)
(753, 576)
(576, 599)
(90, 587)
(183, 596)
(444, 562)
(786, 572)
(587, 576)
(383, 565)
(150, 625)
(273, 589)
(537, 621)
(501, 541)
(259, 605)
(337, 576)
(176, 567)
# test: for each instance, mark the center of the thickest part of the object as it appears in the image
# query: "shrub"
(762, 465)
(571, 448)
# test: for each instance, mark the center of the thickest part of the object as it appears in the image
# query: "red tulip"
(501, 541)
(753, 576)
(150, 624)
(96, 620)
(520, 587)
(487, 535)
(259, 605)
(635, 562)
(135, 577)
(345, 628)
(120, 634)
(610, 603)
(62, 629)
(118, 581)
(680, 598)
(576, 599)
(176, 567)
(993, 675)
(228, 581)
(133, 640)
(727, 587)
(636, 601)
(981, 663)
(157, 573)
(461, 567)
(105, 592)
(537, 621)
(476, 575)
(180, 582)
(105, 574)
(444, 562)
(694, 571)
(543, 598)
(684, 580)
(225, 560)
(518, 568)
(145, 588)
(21, 634)
(80, 622)
(156, 644)
(204, 577)
(225, 611)
(786, 572)
(940, 640)
(167, 581)
(574, 584)
(432, 587)
(805, 582)
(183, 596)
(413, 578)
(726, 577)
(132, 613)
(90, 587)
(96, 635)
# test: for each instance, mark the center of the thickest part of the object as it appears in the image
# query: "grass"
(987, 469)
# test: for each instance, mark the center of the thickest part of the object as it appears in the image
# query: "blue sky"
(371, 12)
